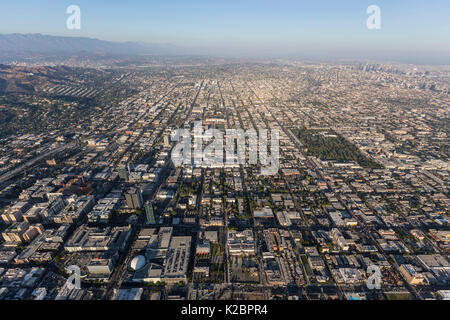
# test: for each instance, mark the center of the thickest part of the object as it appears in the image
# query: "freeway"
(32, 162)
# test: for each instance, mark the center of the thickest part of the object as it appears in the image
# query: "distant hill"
(27, 80)
(45, 44)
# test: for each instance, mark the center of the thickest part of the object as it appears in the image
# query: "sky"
(252, 26)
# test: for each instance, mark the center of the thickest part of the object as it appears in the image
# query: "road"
(32, 162)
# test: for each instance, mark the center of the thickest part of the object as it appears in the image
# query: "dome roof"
(138, 263)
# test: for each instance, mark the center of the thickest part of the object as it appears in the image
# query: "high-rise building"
(166, 141)
(134, 198)
(149, 212)
(123, 173)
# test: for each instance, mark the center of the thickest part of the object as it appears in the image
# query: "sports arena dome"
(138, 263)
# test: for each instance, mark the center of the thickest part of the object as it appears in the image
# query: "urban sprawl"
(87, 179)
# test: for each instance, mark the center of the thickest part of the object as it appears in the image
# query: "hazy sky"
(275, 26)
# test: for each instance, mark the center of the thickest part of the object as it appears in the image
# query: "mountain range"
(46, 44)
